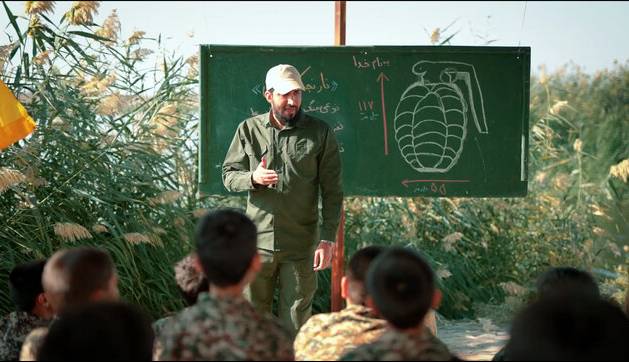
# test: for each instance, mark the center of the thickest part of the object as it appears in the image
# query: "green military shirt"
(13, 331)
(326, 336)
(307, 159)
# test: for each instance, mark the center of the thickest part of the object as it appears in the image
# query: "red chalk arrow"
(381, 78)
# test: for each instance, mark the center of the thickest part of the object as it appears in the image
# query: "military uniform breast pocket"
(253, 161)
(303, 149)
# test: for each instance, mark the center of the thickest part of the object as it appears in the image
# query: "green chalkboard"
(410, 120)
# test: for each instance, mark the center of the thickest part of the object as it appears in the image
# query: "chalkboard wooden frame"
(377, 86)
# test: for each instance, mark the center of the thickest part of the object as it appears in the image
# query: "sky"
(590, 34)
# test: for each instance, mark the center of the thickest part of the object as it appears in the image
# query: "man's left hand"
(323, 255)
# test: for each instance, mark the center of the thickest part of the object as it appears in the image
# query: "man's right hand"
(264, 176)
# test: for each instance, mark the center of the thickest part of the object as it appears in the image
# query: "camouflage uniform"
(33, 343)
(224, 329)
(158, 327)
(325, 337)
(13, 330)
(399, 346)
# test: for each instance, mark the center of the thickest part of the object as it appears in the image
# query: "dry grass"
(82, 12)
(71, 231)
(9, 178)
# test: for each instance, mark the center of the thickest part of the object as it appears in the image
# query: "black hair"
(566, 280)
(113, 331)
(25, 284)
(564, 328)
(357, 271)
(226, 244)
(402, 286)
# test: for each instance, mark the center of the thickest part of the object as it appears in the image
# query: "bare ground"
(472, 340)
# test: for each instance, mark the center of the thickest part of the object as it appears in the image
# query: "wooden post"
(339, 22)
(338, 263)
(338, 266)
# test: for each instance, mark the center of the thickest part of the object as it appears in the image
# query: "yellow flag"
(15, 123)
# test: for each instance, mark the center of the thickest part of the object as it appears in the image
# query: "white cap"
(284, 78)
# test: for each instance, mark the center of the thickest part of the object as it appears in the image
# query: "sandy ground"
(472, 340)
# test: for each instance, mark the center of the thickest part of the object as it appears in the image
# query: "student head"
(190, 279)
(569, 329)
(27, 293)
(353, 284)
(226, 248)
(402, 286)
(75, 276)
(566, 280)
(110, 331)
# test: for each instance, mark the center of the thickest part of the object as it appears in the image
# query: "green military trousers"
(297, 282)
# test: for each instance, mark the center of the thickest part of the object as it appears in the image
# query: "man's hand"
(264, 176)
(323, 255)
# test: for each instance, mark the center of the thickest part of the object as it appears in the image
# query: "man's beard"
(290, 121)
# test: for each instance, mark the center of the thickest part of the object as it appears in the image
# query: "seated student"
(325, 336)
(73, 277)
(191, 282)
(402, 287)
(569, 328)
(32, 308)
(223, 325)
(190, 279)
(561, 281)
(107, 331)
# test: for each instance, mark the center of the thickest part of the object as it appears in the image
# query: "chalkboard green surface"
(411, 121)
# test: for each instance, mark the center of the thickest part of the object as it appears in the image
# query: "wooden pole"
(338, 266)
(339, 22)
(338, 263)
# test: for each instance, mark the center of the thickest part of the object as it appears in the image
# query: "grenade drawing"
(432, 115)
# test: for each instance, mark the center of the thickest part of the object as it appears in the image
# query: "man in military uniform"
(325, 337)
(32, 308)
(73, 277)
(223, 325)
(401, 284)
(286, 159)
(191, 282)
